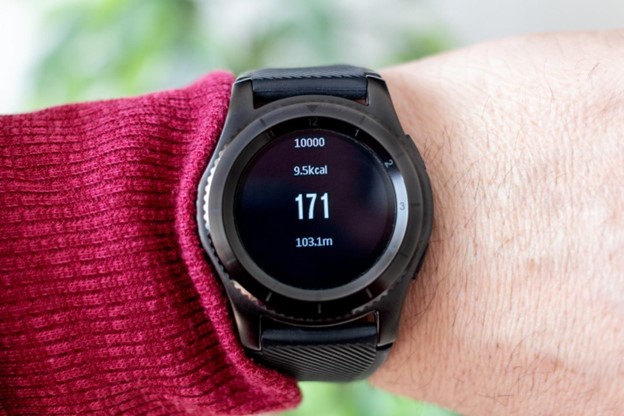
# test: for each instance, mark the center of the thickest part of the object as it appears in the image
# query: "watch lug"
(389, 312)
(380, 104)
(241, 110)
(246, 317)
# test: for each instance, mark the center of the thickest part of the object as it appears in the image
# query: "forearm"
(519, 306)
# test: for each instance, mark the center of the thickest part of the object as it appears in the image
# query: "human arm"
(107, 303)
(519, 306)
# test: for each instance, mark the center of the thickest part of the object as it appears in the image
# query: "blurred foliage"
(110, 48)
(358, 399)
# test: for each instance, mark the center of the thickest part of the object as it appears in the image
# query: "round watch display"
(315, 207)
(304, 209)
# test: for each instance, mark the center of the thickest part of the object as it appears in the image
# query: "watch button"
(420, 262)
(409, 142)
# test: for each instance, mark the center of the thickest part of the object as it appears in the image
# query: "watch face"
(315, 206)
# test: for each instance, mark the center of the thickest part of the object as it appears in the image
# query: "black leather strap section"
(344, 353)
(338, 80)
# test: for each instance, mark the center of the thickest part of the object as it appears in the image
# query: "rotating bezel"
(220, 182)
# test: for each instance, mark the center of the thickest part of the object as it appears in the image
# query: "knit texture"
(108, 304)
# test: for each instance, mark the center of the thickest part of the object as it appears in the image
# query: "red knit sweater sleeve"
(107, 303)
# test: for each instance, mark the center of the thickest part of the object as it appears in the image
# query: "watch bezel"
(217, 196)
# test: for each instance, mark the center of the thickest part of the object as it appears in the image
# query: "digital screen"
(315, 208)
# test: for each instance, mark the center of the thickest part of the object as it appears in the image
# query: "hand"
(519, 307)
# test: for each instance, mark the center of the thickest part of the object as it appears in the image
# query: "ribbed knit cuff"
(107, 302)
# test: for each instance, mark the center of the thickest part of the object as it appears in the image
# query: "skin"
(519, 307)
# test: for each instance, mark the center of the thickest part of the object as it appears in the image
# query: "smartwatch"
(315, 211)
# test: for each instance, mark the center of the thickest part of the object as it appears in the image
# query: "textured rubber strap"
(343, 353)
(338, 80)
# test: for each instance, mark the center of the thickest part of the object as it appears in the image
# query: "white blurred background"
(475, 21)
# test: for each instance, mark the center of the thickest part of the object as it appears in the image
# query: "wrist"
(515, 308)
(440, 317)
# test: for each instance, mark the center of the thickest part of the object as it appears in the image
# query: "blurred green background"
(111, 48)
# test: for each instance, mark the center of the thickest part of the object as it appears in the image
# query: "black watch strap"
(344, 81)
(343, 352)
